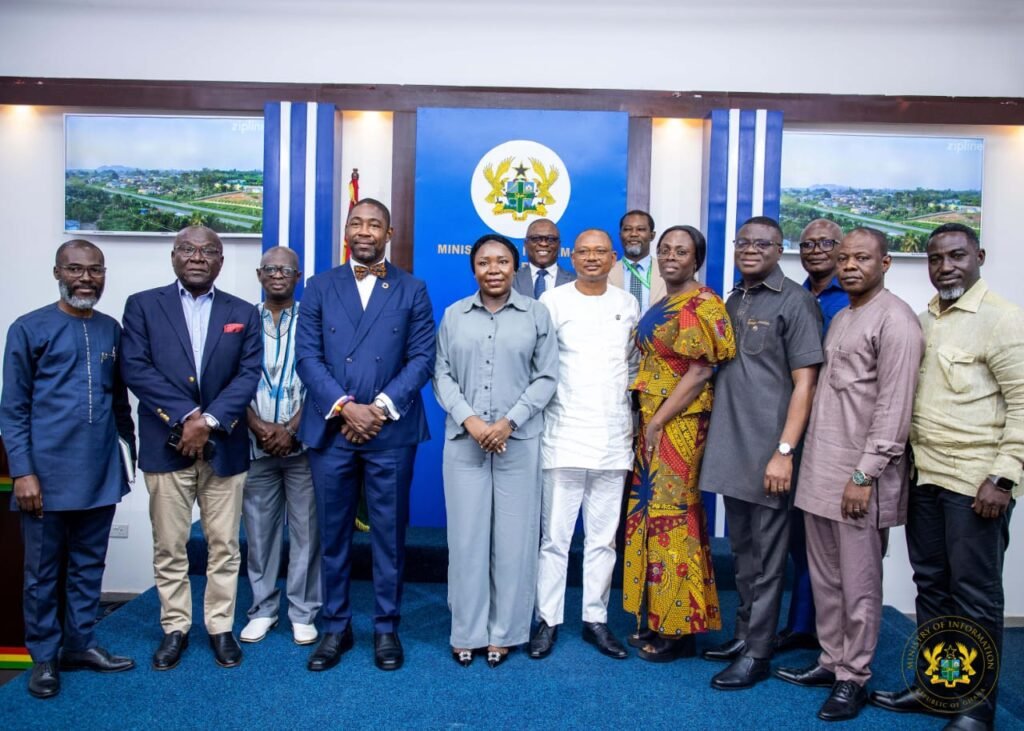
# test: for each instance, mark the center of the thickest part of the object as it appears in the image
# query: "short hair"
(637, 212)
(765, 221)
(956, 228)
(544, 220)
(822, 221)
(208, 233)
(880, 238)
(376, 204)
(74, 244)
(700, 244)
(586, 231)
(498, 239)
(291, 252)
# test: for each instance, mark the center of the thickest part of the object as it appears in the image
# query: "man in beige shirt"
(967, 433)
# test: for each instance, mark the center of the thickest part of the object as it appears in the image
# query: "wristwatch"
(210, 421)
(1003, 483)
(512, 424)
(785, 449)
(861, 480)
(379, 403)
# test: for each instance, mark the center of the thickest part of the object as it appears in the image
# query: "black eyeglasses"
(759, 244)
(272, 270)
(188, 251)
(823, 244)
(77, 270)
(539, 239)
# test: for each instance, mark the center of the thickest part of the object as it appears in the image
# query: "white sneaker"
(304, 634)
(257, 629)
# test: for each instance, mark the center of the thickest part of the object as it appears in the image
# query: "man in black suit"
(192, 354)
(543, 271)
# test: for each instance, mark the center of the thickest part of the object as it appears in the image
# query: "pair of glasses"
(539, 239)
(272, 270)
(759, 244)
(188, 251)
(75, 271)
(591, 253)
(823, 244)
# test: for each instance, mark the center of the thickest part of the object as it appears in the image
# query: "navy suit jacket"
(523, 283)
(158, 366)
(340, 349)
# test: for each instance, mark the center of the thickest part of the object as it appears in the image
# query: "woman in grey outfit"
(497, 361)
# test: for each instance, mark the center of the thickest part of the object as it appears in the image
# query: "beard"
(949, 294)
(633, 249)
(78, 303)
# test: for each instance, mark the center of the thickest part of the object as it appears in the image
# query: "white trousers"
(599, 492)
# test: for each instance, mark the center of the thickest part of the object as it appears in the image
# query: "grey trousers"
(759, 537)
(493, 506)
(276, 486)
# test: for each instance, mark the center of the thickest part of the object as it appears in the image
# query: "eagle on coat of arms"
(520, 195)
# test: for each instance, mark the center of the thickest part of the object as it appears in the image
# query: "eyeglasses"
(539, 239)
(272, 270)
(591, 253)
(759, 244)
(77, 270)
(208, 252)
(823, 244)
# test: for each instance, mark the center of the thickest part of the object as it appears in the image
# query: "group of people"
(621, 391)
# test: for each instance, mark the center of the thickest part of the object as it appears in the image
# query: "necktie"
(378, 270)
(635, 287)
(539, 286)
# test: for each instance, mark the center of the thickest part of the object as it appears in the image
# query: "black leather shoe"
(44, 682)
(811, 676)
(168, 654)
(967, 723)
(743, 672)
(598, 634)
(844, 703)
(496, 657)
(332, 646)
(226, 650)
(387, 651)
(543, 640)
(900, 701)
(787, 640)
(666, 649)
(95, 658)
(727, 651)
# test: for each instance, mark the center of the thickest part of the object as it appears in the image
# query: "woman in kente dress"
(668, 580)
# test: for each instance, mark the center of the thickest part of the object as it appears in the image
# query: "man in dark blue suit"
(364, 348)
(192, 355)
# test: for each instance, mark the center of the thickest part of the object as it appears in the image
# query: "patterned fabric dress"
(668, 565)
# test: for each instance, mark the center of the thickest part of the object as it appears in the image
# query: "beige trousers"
(171, 497)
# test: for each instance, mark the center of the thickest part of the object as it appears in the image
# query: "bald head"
(280, 255)
(822, 227)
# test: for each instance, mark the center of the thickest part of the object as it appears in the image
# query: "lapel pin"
(384, 285)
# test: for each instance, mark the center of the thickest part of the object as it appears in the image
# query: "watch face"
(784, 448)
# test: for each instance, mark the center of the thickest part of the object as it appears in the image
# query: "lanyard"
(633, 270)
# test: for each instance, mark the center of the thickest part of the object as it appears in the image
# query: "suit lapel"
(170, 302)
(379, 299)
(348, 293)
(523, 281)
(218, 319)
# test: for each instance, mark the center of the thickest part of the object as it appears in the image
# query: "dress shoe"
(95, 658)
(168, 654)
(967, 723)
(787, 640)
(304, 634)
(743, 672)
(844, 703)
(497, 655)
(811, 676)
(331, 648)
(543, 640)
(462, 656)
(387, 651)
(257, 629)
(44, 682)
(727, 651)
(900, 701)
(664, 649)
(598, 634)
(226, 650)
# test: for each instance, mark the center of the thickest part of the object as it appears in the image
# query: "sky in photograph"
(164, 143)
(881, 161)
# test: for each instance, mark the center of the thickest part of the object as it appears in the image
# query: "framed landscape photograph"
(157, 174)
(905, 186)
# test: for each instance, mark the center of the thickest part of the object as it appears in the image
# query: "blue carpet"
(574, 688)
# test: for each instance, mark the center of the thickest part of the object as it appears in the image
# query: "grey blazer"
(523, 283)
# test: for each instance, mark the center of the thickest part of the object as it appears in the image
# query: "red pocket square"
(234, 327)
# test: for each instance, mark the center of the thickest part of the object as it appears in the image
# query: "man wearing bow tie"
(364, 348)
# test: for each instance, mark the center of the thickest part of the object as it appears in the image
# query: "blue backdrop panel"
(450, 145)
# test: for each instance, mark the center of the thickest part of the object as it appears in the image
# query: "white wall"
(940, 47)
